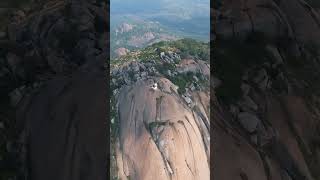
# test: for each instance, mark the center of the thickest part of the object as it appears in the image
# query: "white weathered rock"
(162, 55)
(192, 88)
(195, 78)
(187, 99)
(115, 92)
(169, 72)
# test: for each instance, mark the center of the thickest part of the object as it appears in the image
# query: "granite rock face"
(160, 136)
(161, 123)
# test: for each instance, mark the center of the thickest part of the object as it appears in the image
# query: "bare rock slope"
(163, 132)
(160, 135)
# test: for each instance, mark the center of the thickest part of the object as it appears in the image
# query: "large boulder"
(121, 51)
(160, 136)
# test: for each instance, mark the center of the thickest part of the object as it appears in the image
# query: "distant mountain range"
(132, 32)
(137, 24)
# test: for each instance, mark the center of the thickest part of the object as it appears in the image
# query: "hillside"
(157, 123)
(146, 23)
(134, 33)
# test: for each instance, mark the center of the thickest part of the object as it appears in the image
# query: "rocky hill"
(265, 114)
(133, 33)
(160, 112)
(137, 24)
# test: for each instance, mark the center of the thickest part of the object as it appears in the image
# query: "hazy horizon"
(189, 18)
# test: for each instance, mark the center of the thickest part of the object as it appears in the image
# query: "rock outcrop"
(125, 27)
(121, 52)
(160, 136)
(160, 127)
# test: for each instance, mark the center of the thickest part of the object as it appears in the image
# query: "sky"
(184, 9)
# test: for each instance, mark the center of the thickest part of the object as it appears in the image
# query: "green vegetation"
(193, 48)
(187, 47)
(182, 81)
(202, 80)
(184, 47)
(164, 67)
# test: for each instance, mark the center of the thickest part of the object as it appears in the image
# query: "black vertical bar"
(107, 70)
